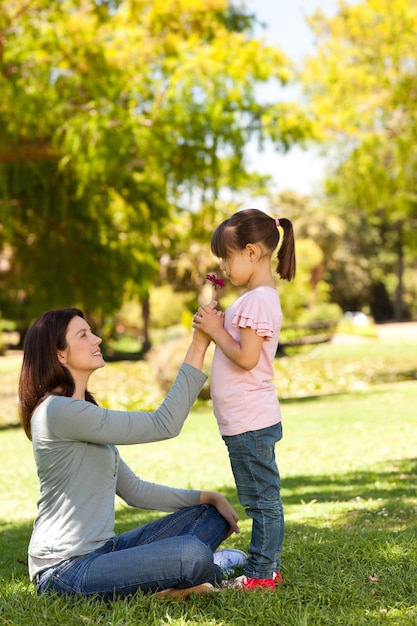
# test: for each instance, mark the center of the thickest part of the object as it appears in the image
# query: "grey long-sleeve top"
(80, 471)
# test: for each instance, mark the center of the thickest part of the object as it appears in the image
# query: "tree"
(317, 234)
(362, 85)
(114, 115)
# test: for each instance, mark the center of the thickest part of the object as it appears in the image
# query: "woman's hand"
(224, 508)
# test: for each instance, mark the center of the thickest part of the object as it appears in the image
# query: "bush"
(166, 358)
(324, 312)
(167, 306)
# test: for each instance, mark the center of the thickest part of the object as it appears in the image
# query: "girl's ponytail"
(286, 252)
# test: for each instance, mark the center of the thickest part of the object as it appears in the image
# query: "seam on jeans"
(174, 522)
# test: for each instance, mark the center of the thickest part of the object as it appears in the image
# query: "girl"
(73, 549)
(244, 398)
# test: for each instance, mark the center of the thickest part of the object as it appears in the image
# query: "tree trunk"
(398, 301)
(146, 318)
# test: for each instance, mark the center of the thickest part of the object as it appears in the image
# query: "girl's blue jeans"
(174, 551)
(252, 458)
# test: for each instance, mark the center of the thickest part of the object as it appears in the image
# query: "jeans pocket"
(62, 578)
(265, 440)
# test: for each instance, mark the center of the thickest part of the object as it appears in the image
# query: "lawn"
(348, 467)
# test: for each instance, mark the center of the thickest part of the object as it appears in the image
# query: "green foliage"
(317, 238)
(348, 326)
(166, 357)
(362, 87)
(112, 115)
(168, 307)
(306, 298)
(326, 311)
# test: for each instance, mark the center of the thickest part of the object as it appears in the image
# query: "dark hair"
(255, 226)
(41, 371)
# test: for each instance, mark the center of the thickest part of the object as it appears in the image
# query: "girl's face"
(238, 267)
(82, 353)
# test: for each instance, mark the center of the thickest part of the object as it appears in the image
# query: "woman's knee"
(193, 549)
(197, 560)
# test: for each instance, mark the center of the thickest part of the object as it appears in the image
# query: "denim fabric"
(174, 551)
(252, 458)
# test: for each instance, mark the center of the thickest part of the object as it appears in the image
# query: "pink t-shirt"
(246, 400)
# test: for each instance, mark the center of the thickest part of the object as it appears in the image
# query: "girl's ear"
(254, 251)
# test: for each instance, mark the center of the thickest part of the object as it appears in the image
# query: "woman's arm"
(145, 495)
(199, 343)
(78, 420)
(152, 496)
(197, 349)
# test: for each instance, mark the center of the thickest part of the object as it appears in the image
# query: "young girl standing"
(244, 398)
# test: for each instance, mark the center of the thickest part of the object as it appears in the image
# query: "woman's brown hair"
(41, 371)
(255, 226)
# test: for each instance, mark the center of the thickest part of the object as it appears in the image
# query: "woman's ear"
(61, 357)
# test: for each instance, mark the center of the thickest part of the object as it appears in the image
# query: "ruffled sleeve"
(255, 313)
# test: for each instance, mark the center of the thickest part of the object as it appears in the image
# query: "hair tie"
(276, 222)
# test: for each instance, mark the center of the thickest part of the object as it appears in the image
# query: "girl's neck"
(260, 283)
(262, 275)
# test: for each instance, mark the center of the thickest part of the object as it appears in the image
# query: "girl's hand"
(208, 319)
(224, 508)
(245, 353)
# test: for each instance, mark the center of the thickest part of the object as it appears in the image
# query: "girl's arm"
(244, 354)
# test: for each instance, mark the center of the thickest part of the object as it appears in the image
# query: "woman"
(73, 548)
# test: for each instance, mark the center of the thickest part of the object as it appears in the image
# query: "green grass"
(348, 467)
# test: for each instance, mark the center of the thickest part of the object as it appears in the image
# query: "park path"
(403, 330)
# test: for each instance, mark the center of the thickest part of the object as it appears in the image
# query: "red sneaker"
(277, 578)
(250, 584)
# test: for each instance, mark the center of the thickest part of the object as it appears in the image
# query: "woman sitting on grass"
(73, 548)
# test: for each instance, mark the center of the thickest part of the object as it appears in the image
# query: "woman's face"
(82, 353)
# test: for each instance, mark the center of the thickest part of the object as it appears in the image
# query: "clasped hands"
(208, 318)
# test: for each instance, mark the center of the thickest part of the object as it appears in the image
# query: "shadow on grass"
(14, 540)
(9, 426)
(400, 481)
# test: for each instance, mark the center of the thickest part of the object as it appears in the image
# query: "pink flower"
(217, 282)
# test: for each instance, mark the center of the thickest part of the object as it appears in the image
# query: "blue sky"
(286, 27)
(285, 22)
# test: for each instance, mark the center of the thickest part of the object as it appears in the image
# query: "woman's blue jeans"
(252, 458)
(174, 551)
